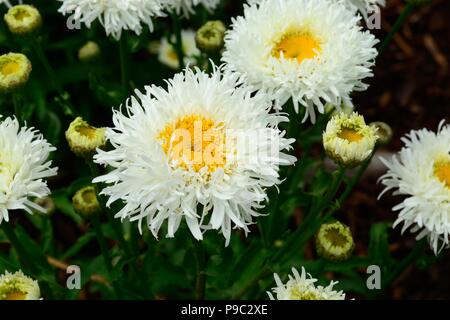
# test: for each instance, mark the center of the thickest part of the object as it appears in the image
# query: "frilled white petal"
(416, 173)
(24, 165)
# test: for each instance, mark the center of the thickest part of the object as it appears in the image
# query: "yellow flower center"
(297, 294)
(15, 295)
(298, 46)
(442, 171)
(87, 131)
(21, 14)
(351, 135)
(9, 68)
(89, 196)
(194, 141)
(335, 237)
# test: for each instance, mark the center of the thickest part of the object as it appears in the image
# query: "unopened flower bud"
(89, 52)
(84, 139)
(384, 132)
(348, 140)
(210, 37)
(15, 69)
(23, 19)
(334, 241)
(17, 286)
(85, 202)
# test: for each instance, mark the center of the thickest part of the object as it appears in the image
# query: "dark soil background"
(410, 90)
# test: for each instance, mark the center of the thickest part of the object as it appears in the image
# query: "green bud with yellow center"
(15, 69)
(85, 202)
(23, 20)
(334, 241)
(210, 37)
(83, 139)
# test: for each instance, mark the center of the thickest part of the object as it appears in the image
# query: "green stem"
(124, 65)
(105, 252)
(302, 234)
(264, 272)
(178, 45)
(22, 253)
(350, 186)
(17, 109)
(200, 281)
(47, 66)
(396, 27)
(405, 263)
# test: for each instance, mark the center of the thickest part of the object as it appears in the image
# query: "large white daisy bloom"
(114, 15)
(168, 56)
(23, 166)
(421, 173)
(302, 287)
(17, 286)
(312, 51)
(187, 7)
(201, 151)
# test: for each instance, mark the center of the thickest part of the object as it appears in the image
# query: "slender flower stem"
(47, 66)
(306, 230)
(15, 242)
(178, 45)
(17, 108)
(200, 282)
(124, 65)
(105, 253)
(396, 27)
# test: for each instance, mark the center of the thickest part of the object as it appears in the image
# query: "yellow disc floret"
(442, 171)
(298, 46)
(195, 142)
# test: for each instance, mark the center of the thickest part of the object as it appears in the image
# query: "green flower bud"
(89, 52)
(15, 69)
(85, 202)
(23, 20)
(210, 37)
(84, 139)
(384, 132)
(334, 241)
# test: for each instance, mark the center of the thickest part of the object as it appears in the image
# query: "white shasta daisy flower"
(17, 286)
(348, 140)
(421, 173)
(302, 287)
(114, 15)
(23, 166)
(187, 7)
(168, 56)
(202, 151)
(311, 51)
